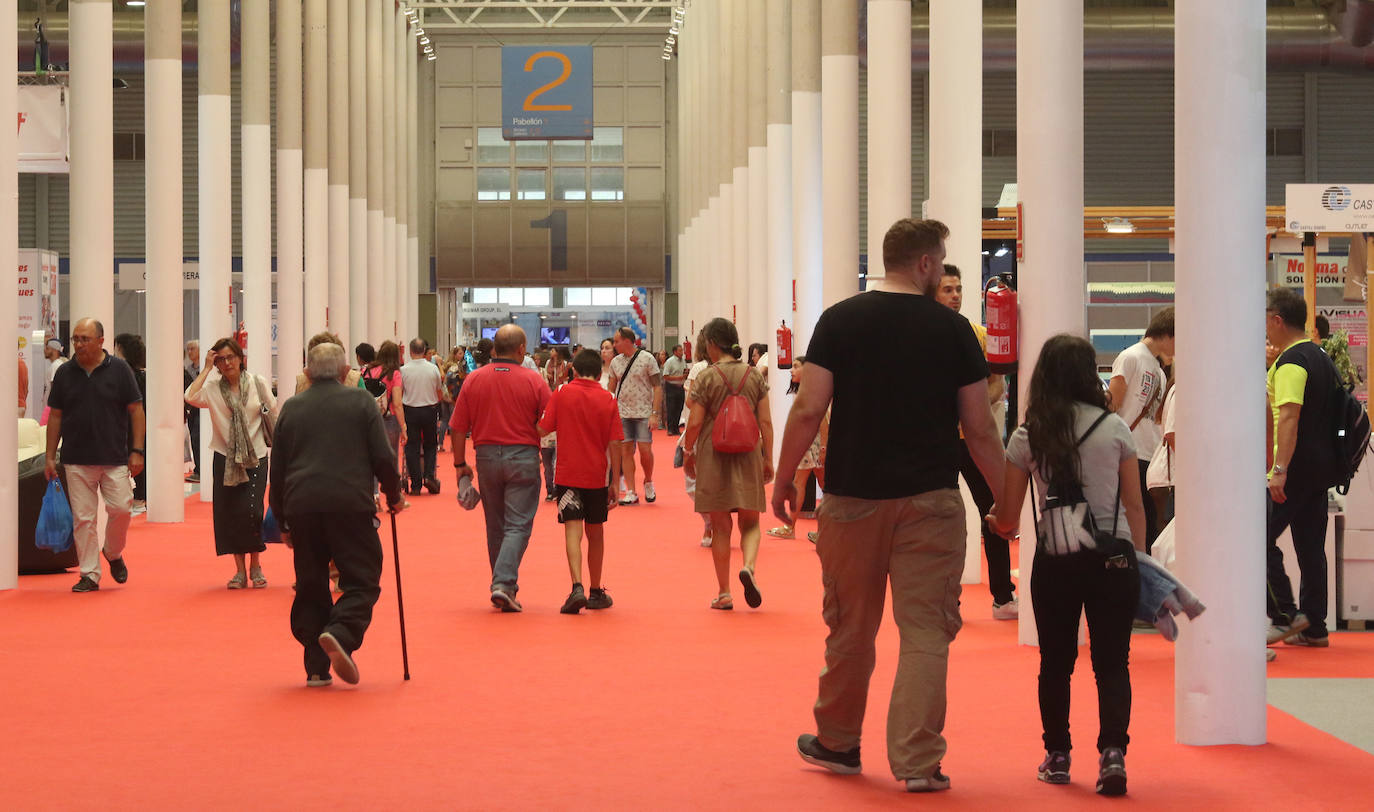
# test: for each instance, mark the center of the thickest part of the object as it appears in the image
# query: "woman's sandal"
(783, 532)
(723, 601)
(259, 580)
(239, 581)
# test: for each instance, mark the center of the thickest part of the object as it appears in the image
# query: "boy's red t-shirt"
(587, 421)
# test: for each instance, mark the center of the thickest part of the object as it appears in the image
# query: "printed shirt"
(636, 394)
(1144, 391)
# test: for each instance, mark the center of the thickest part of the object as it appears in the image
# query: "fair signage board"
(485, 311)
(546, 92)
(1329, 207)
(134, 276)
(1290, 271)
(43, 129)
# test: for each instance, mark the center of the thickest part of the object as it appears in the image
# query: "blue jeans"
(508, 476)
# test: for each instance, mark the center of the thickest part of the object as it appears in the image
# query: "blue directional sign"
(546, 92)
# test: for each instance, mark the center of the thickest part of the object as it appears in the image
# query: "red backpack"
(736, 430)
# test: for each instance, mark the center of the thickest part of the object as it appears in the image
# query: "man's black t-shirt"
(95, 411)
(898, 361)
(1314, 454)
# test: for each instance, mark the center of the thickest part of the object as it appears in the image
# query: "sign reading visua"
(546, 92)
(1327, 207)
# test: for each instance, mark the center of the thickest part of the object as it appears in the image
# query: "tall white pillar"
(840, 150)
(358, 298)
(9, 314)
(722, 288)
(889, 123)
(740, 236)
(756, 278)
(388, 289)
(808, 223)
(214, 145)
(401, 97)
(1049, 174)
(290, 202)
(378, 319)
(316, 133)
(413, 187)
(1219, 160)
(256, 180)
(92, 163)
(776, 295)
(340, 257)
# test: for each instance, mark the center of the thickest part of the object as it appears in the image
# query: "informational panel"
(36, 284)
(134, 276)
(1289, 271)
(1351, 320)
(43, 129)
(546, 92)
(1329, 207)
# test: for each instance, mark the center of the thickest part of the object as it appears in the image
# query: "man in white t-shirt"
(421, 390)
(1137, 392)
(635, 395)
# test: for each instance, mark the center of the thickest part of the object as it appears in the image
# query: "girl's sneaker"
(1055, 768)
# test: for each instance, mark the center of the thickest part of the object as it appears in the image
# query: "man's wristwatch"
(137, 451)
(1280, 469)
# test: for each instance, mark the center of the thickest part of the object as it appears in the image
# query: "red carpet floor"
(171, 692)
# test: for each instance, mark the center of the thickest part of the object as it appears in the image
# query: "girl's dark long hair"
(388, 358)
(1065, 375)
(794, 386)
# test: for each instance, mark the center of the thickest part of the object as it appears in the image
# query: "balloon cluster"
(640, 322)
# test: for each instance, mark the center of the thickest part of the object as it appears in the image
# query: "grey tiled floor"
(1342, 707)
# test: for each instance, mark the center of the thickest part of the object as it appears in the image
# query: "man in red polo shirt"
(501, 404)
(588, 423)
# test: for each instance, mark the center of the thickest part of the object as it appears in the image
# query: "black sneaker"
(1055, 768)
(549, 497)
(432, 485)
(318, 680)
(413, 490)
(576, 600)
(598, 599)
(813, 752)
(1111, 775)
(85, 585)
(119, 570)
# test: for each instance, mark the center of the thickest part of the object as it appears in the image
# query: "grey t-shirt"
(1099, 458)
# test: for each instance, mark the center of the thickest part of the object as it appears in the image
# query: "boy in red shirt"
(588, 423)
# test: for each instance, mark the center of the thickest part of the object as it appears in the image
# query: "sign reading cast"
(1329, 207)
(546, 92)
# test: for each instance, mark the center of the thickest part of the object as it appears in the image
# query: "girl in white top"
(607, 356)
(241, 409)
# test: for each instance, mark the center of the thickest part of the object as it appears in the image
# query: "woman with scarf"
(242, 409)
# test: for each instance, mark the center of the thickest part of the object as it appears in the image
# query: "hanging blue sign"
(546, 92)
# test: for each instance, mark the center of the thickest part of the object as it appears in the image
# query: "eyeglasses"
(84, 339)
(224, 359)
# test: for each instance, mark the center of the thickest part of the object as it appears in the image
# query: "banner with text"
(43, 130)
(1289, 270)
(546, 92)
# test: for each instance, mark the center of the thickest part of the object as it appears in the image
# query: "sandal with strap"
(239, 581)
(783, 532)
(259, 580)
(723, 601)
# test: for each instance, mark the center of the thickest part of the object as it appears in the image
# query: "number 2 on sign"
(530, 106)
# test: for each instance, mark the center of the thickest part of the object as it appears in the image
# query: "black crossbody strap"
(626, 374)
(1035, 518)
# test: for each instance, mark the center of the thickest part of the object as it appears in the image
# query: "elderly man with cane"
(329, 443)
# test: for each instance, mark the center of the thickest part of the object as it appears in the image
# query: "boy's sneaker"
(1006, 611)
(813, 752)
(1055, 768)
(934, 782)
(1304, 639)
(649, 493)
(599, 600)
(576, 600)
(1111, 775)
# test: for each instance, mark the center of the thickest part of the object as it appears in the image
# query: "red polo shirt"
(500, 404)
(587, 421)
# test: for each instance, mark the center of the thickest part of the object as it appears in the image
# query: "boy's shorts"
(584, 504)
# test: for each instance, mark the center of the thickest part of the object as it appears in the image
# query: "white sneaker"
(1006, 611)
(1270, 655)
(629, 498)
(706, 542)
(649, 493)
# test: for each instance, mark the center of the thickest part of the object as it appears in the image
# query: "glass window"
(623, 295)
(608, 183)
(577, 297)
(608, 145)
(538, 297)
(531, 184)
(570, 184)
(569, 152)
(484, 296)
(532, 152)
(493, 184)
(491, 147)
(605, 297)
(515, 297)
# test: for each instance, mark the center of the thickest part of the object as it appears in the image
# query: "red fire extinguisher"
(1000, 300)
(687, 351)
(241, 336)
(784, 347)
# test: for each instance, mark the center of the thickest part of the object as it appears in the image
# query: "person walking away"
(674, 394)
(454, 369)
(328, 447)
(383, 380)
(500, 405)
(1137, 392)
(1079, 452)
(129, 349)
(729, 483)
(588, 425)
(892, 512)
(813, 461)
(422, 388)
(96, 412)
(354, 376)
(701, 363)
(634, 377)
(238, 402)
(1159, 477)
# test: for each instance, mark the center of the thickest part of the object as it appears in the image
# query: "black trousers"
(350, 540)
(1151, 516)
(422, 435)
(673, 399)
(1062, 586)
(1304, 514)
(193, 425)
(995, 547)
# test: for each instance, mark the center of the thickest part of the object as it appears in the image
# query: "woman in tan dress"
(729, 483)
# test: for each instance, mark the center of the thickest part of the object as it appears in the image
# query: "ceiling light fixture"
(1118, 225)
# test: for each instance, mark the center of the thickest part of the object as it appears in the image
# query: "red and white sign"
(43, 129)
(1291, 271)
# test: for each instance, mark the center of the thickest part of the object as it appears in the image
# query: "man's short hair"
(1323, 325)
(325, 362)
(587, 364)
(909, 239)
(508, 339)
(324, 338)
(953, 270)
(365, 352)
(1162, 325)
(99, 328)
(625, 333)
(676, 347)
(417, 346)
(1290, 306)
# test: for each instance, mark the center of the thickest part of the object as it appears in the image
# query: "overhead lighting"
(1118, 225)
(1002, 251)
(135, 3)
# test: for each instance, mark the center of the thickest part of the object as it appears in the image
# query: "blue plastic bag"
(271, 533)
(54, 531)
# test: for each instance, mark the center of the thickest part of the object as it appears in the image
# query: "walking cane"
(400, 604)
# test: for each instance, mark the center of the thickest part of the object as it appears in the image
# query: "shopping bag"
(271, 532)
(54, 531)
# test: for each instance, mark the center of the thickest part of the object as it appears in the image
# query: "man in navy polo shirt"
(93, 404)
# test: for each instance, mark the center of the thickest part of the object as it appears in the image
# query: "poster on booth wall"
(36, 283)
(43, 140)
(1351, 320)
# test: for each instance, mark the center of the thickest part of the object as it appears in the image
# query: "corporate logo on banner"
(1324, 207)
(43, 130)
(546, 92)
(1336, 198)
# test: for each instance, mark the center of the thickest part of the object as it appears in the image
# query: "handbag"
(736, 430)
(269, 421)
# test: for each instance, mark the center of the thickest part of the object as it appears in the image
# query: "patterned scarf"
(240, 456)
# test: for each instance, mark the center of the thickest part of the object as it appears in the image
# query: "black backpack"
(1350, 434)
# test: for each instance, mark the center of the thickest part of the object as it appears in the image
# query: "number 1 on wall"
(557, 224)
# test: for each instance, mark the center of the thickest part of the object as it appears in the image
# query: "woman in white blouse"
(238, 400)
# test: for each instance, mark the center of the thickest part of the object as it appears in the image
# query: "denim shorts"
(636, 429)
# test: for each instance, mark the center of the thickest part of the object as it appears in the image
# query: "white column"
(413, 186)
(889, 123)
(378, 319)
(92, 164)
(256, 181)
(216, 223)
(1219, 671)
(9, 314)
(163, 248)
(776, 295)
(807, 192)
(388, 115)
(340, 257)
(357, 174)
(316, 132)
(290, 184)
(840, 151)
(401, 98)
(1049, 173)
(740, 235)
(722, 288)
(756, 279)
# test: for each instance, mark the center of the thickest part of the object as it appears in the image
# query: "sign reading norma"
(546, 92)
(1329, 207)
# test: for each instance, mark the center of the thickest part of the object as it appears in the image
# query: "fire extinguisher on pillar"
(241, 336)
(999, 297)
(784, 347)
(687, 351)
